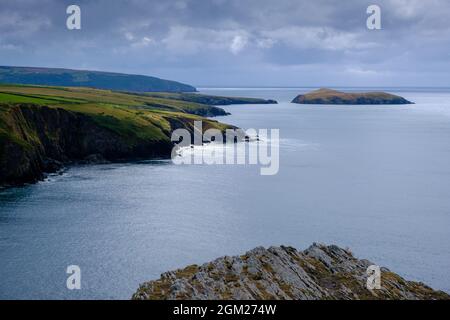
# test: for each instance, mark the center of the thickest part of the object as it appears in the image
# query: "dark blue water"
(373, 178)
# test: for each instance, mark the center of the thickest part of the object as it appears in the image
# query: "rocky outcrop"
(199, 110)
(210, 111)
(320, 272)
(328, 96)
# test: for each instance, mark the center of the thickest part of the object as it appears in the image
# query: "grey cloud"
(236, 42)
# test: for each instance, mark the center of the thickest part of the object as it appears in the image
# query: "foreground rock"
(328, 96)
(320, 272)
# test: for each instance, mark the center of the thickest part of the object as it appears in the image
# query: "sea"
(375, 179)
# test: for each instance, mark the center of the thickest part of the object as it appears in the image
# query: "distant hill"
(329, 96)
(91, 79)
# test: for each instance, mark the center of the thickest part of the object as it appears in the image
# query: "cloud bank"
(237, 42)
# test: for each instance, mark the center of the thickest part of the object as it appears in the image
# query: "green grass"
(134, 117)
(16, 98)
(68, 95)
(23, 138)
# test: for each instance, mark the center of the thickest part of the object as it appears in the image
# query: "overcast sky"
(237, 42)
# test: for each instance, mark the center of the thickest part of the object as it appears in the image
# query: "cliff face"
(41, 139)
(42, 128)
(328, 96)
(320, 272)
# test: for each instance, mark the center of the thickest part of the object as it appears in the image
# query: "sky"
(254, 43)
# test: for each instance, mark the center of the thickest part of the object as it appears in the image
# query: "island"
(44, 128)
(319, 272)
(329, 96)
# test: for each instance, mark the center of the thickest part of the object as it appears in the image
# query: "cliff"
(44, 128)
(328, 96)
(319, 272)
(35, 140)
(41, 139)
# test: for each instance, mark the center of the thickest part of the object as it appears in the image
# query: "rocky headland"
(209, 99)
(42, 129)
(319, 272)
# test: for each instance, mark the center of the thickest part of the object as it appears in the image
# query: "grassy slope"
(127, 114)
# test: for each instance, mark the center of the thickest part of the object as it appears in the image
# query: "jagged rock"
(319, 272)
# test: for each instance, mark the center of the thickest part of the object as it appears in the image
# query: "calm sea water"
(373, 178)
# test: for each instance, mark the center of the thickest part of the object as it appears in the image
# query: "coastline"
(140, 204)
(54, 126)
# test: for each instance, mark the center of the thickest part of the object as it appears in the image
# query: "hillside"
(328, 96)
(210, 100)
(43, 128)
(319, 272)
(91, 79)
